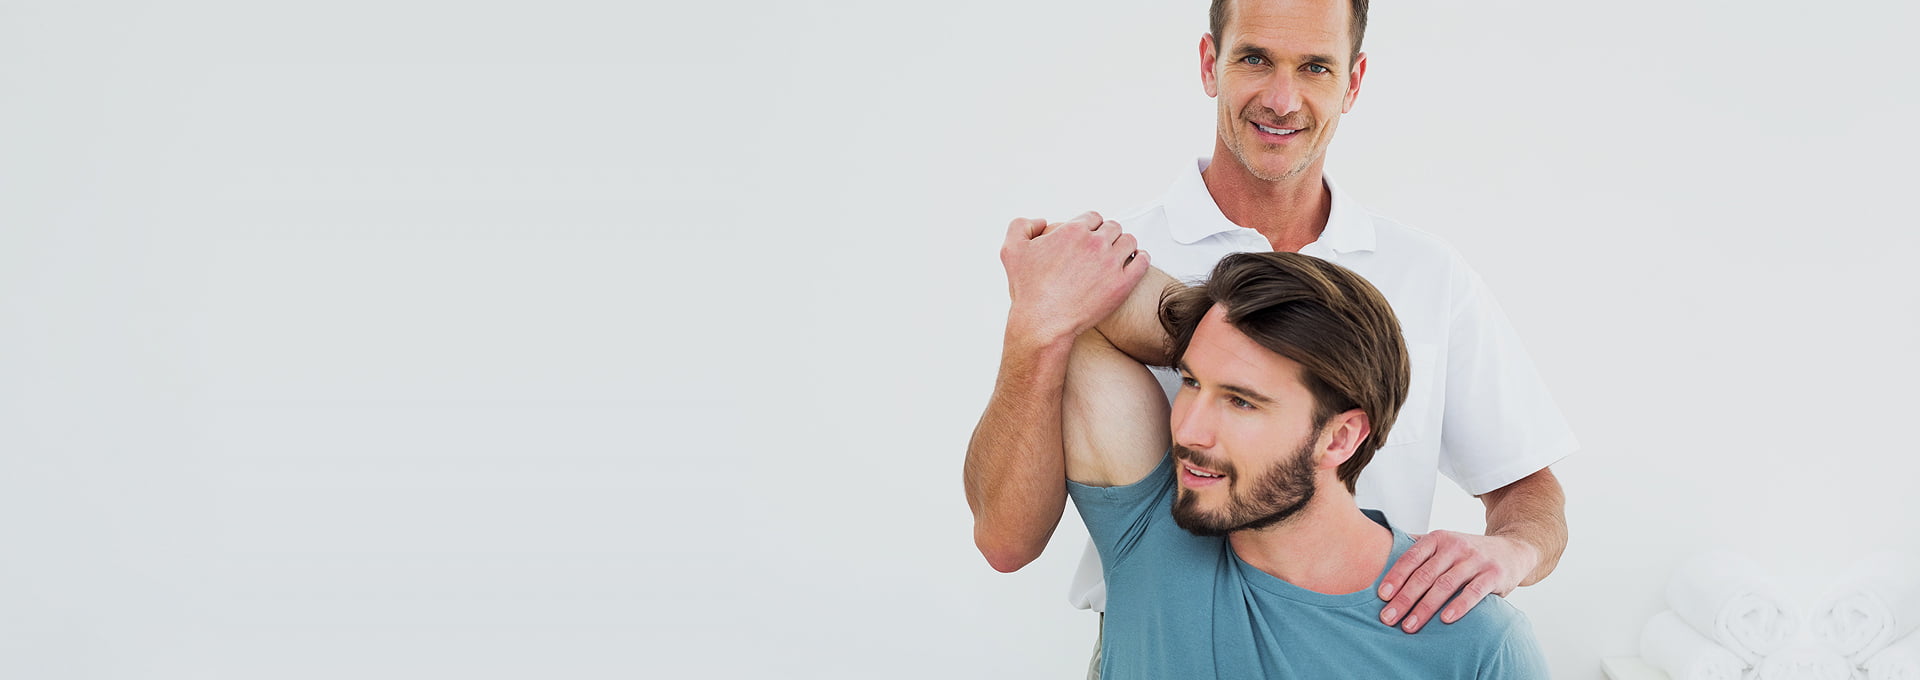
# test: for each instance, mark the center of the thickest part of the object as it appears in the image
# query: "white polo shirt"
(1476, 411)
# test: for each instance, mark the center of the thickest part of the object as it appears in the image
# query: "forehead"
(1293, 25)
(1220, 353)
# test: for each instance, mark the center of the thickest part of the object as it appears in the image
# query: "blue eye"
(1255, 61)
(1316, 68)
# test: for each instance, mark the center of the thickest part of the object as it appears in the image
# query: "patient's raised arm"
(1135, 327)
(1114, 415)
(1062, 278)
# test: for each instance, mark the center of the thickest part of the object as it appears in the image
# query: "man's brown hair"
(1356, 24)
(1322, 316)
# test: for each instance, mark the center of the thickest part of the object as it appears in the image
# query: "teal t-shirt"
(1185, 606)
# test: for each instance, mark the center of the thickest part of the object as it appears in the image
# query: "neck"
(1290, 212)
(1328, 547)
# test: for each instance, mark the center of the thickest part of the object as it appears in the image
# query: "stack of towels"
(1727, 621)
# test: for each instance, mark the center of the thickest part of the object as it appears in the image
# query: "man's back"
(1181, 605)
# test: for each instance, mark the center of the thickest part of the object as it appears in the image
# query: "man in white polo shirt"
(1282, 72)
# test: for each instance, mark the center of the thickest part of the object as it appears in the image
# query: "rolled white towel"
(1803, 661)
(1899, 661)
(1726, 597)
(1675, 647)
(1871, 605)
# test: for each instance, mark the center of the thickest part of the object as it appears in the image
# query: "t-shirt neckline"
(1272, 584)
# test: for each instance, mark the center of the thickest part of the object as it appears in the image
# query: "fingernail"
(1412, 623)
(1386, 591)
(1390, 615)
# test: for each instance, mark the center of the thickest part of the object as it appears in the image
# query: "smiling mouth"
(1275, 131)
(1201, 473)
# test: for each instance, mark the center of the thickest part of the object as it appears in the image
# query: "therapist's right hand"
(1066, 277)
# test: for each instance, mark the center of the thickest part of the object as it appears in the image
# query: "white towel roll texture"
(1727, 598)
(1671, 645)
(1872, 605)
(1899, 661)
(1803, 661)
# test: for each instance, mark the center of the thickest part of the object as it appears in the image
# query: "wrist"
(1031, 336)
(1524, 556)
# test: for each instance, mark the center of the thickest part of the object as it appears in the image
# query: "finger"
(1443, 589)
(1024, 229)
(1468, 599)
(1416, 588)
(1409, 561)
(1138, 260)
(1089, 221)
(1126, 244)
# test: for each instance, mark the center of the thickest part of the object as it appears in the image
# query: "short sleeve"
(1500, 422)
(1518, 657)
(1118, 516)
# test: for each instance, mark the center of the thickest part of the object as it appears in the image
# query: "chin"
(1271, 168)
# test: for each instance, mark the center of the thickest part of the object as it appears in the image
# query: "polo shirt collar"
(1192, 215)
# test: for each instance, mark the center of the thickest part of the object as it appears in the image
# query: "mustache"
(1186, 455)
(1271, 118)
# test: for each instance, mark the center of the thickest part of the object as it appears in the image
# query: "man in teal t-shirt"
(1227, 526)
(1185, 606)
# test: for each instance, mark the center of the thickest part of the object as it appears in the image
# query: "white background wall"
(412, 339)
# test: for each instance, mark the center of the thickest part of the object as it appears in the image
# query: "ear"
(1342, 436)
(1208, 53)
(1353, 82)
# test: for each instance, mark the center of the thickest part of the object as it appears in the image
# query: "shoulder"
(1419, 272)
(1501, 639)
(1409, 245)
(1143, 220)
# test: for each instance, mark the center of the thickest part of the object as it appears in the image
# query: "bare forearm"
(1532, 510)
(1015, 470)
(1135, 327)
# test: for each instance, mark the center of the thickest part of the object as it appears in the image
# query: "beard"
(1237, 140)
(1270, 499)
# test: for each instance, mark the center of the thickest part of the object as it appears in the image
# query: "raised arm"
(1063, 279)
(1115, 415)
(1135, 327)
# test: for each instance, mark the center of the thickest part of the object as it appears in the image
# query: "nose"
(1282, 94)
(1192, 424)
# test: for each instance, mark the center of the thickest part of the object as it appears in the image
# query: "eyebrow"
(1243, 51)
(1246, 393)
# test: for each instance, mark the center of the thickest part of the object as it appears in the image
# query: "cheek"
(1177, 417)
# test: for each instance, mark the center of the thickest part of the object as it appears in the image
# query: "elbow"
(1007, 562)
(1003, 555)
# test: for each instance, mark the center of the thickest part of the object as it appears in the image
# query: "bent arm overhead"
(1063, 278)
(1015, 465)
(1135, 327)
(1114, 415)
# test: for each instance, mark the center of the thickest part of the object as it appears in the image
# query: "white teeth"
(1198, 473)
(1274, 131)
